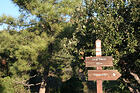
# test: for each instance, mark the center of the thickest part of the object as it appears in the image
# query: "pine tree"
(37, 48)
(20, 51)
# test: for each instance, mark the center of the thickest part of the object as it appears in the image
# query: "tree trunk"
(42, 87)
(44, 79)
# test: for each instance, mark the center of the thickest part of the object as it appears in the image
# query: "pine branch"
(135, 76)
(23, 82)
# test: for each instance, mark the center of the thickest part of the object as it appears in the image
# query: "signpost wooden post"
(98, 62)
(98, 54)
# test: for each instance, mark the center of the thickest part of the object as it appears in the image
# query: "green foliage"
(53, 44)
(21, 52)
(115, 23)
(6, 85)
(73, 85)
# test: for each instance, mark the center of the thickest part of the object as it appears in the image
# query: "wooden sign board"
(103, 75)
(99, 61)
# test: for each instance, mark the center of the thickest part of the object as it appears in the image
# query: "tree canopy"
(44, 49)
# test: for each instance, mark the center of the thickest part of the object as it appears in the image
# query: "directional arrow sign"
(103, 75)
(99, 61)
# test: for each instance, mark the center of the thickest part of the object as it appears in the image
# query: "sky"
(8, 8)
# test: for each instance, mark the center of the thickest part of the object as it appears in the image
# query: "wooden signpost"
(103, 75)
(98, 62)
